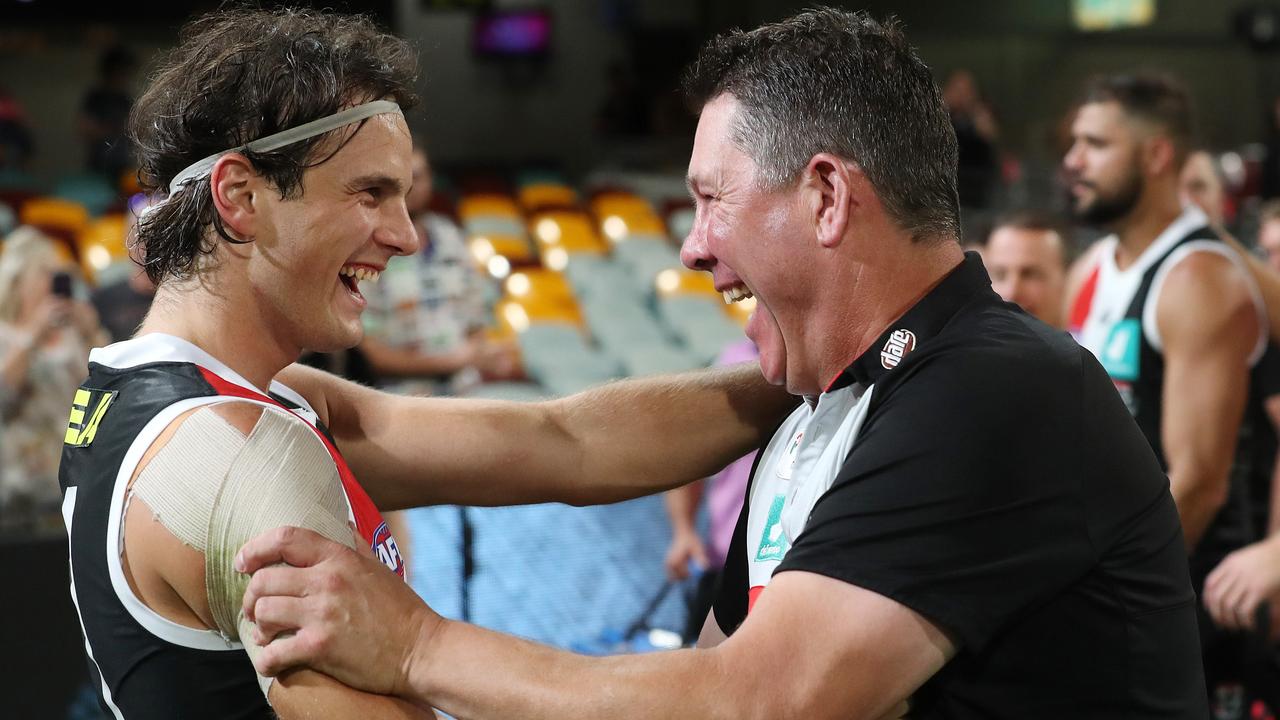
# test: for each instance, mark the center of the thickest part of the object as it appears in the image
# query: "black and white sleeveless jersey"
(145, 666)
(1114, 316)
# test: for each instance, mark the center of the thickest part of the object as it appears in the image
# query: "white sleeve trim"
(1151, 328)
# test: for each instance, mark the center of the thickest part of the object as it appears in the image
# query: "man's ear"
(235, 186)
(832, 193)
(1159, 155)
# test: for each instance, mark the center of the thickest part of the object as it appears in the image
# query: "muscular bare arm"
(1209, 326)
(797, 655)
(169, 577)
(619, 441)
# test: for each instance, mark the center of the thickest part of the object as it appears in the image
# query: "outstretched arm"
(796, 656)
(618, 441)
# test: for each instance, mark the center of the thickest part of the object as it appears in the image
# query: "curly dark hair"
(828, 80)
(238, 75)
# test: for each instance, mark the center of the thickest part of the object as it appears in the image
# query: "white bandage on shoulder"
(214, 489)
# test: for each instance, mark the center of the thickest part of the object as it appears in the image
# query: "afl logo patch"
(900, 343)
(385, 548)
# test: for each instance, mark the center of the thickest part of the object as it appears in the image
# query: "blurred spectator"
(1250, 576)
(45, 337)
(725, 492)
(976, 135)
(16, 144)
(426, 312)
(104, 113)
(123, 305)
(1026, 258)
(1201, 184)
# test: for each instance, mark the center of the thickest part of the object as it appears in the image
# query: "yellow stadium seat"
(102, 243)
(570, 230)
(538, 196)
(515, 249)
(515, 316)
(673, 282)
(538, 285)
(620, 203)
(55, 214)
(619, 226)
(487, 204)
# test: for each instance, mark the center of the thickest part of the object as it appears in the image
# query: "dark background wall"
(1028, 59)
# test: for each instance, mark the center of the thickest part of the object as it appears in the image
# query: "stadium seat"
(570, 230)
(487, 204)
(545, 196)
(62, 220)
(101, 246)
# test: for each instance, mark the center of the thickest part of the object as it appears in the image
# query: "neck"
(868, 294)
(217, 322)
(1154, 212)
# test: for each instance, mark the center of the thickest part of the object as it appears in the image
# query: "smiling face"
(1104, 164)
(310, 253)
(753, 242)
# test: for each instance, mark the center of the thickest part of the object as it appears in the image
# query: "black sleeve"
(960, 497)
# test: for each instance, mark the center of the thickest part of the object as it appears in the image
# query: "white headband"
(200, 168)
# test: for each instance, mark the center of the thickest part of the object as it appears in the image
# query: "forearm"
(667, 431)
(309, 695)
(1199, 496)
(473, 673)
(626, 439)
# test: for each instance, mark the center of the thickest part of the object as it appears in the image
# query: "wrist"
(685, 533)
(417, 678)
(1272, 543)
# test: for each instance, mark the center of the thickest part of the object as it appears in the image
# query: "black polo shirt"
(999, 487)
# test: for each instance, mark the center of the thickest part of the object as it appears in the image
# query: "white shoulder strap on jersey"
(214, 489)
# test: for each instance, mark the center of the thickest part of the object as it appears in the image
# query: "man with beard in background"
(1173, 317)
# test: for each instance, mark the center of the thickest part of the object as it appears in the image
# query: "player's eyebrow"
(382, 181)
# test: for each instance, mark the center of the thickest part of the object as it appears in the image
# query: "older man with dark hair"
(910, 542)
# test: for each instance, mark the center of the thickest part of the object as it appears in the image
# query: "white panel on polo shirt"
(797, 468)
